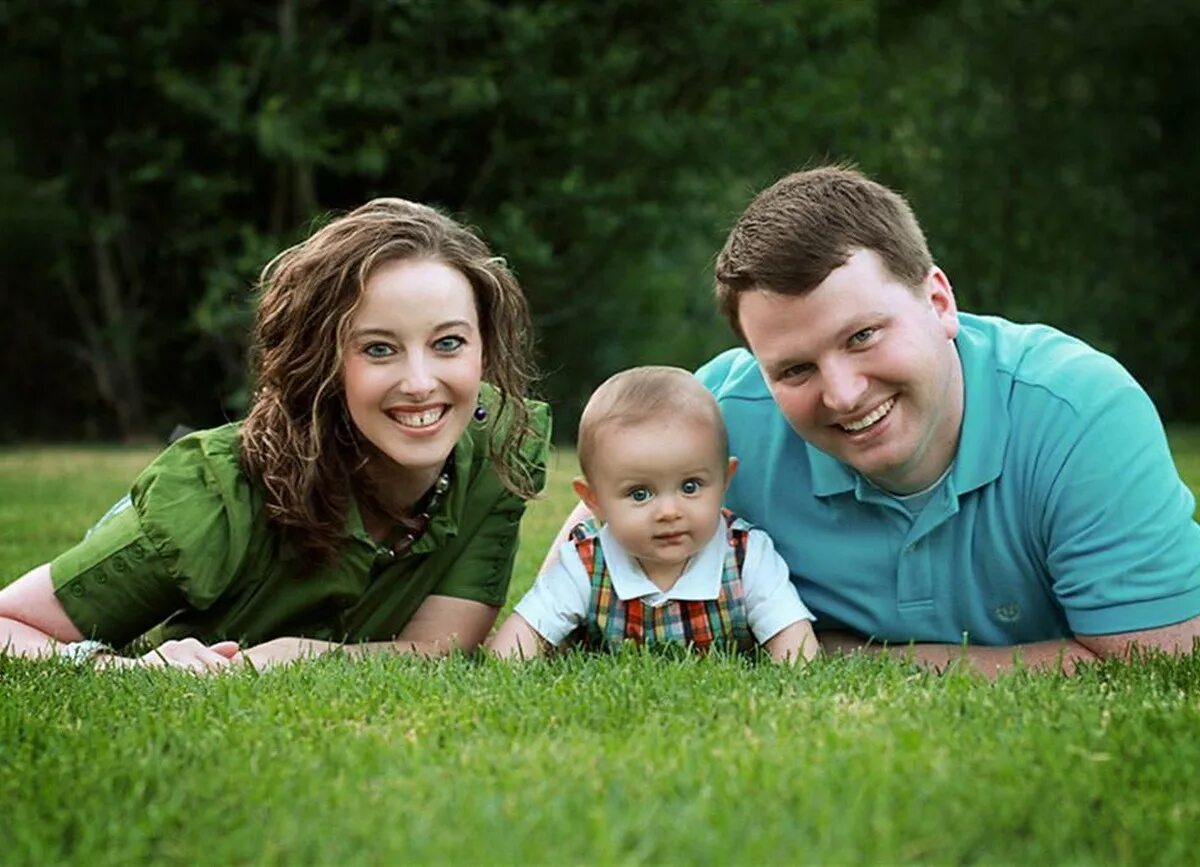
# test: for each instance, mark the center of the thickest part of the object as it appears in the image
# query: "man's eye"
(691, 486)
(640, 495)
(378, 350)
(448, 344)
(797, 372)
(862, 336)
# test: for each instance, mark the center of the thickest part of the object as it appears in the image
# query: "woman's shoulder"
(503, 416)
(202, 470)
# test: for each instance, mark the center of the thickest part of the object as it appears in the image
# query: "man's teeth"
(867, 420)
(419, 419)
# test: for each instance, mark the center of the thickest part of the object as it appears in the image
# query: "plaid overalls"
(698, 623)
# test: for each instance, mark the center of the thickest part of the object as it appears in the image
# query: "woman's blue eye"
(377, 350)
(639, 495)
(690, 486)
(448, 344)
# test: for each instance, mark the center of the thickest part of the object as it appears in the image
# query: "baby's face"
(659, 486)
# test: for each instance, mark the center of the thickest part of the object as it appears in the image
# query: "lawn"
(629, 759)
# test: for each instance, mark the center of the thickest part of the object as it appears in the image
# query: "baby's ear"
(584, 491)
(730, 469)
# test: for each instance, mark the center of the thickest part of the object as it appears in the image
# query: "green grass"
(631, 759)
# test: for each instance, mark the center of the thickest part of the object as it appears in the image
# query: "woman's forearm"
(21, 639)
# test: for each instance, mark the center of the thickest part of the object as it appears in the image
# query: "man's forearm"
(1058, 655)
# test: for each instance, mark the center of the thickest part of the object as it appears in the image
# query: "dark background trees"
(154, 156)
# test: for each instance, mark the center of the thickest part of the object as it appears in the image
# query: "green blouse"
(189, 553)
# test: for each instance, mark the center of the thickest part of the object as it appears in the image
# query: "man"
(949, 484)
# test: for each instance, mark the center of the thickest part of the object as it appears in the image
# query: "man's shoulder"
(734, 375)
(1041, 361)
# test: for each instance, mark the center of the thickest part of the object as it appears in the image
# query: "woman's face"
(412, 363)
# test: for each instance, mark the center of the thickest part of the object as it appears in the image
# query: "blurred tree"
(155, 157)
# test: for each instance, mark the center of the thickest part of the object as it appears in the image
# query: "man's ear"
(730, 469)
(585, 493)
(941, 296)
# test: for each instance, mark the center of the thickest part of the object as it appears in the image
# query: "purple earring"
(481, 413)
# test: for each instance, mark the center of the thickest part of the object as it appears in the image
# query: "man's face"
(865, 369)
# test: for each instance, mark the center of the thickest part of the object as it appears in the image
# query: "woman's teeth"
(419, 419)
(867, 420)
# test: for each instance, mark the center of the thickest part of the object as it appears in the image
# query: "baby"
(666, 564)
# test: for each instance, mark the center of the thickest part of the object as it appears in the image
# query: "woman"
(370, 499)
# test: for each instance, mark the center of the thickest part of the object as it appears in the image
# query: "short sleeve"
(1123, 549)
(772, 602)
(488, 537)
(176, 542)
(483, 568)
(557, 602)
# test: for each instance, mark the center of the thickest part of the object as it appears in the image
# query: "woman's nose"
(418, 376)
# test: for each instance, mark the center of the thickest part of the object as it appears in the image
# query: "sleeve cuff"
(1135, 616)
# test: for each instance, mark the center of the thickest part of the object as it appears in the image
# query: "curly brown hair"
(807, 224)
(298, 441)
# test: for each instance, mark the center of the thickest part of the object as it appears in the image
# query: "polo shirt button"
(908, 549)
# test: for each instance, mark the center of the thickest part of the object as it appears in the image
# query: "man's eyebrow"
(860, 320)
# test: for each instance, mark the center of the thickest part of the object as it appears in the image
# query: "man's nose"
(842, 387)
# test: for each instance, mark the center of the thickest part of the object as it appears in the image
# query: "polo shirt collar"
(829, 475)
(982, 441)
(701, 579)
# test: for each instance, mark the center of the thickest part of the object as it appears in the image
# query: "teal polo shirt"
(1062, 513)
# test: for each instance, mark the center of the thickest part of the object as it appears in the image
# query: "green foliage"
(604, 148)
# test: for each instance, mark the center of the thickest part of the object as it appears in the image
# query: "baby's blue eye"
(377, 350)
(691, 486)
(639, 495)
(448, 344)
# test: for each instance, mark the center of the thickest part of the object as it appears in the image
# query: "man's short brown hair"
(804, 226)
(640, 394)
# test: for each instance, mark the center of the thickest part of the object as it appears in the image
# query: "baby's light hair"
(641, 394)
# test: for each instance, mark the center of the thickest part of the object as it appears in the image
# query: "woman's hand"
(189, 654)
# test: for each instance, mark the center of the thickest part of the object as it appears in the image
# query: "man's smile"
(874, 416)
